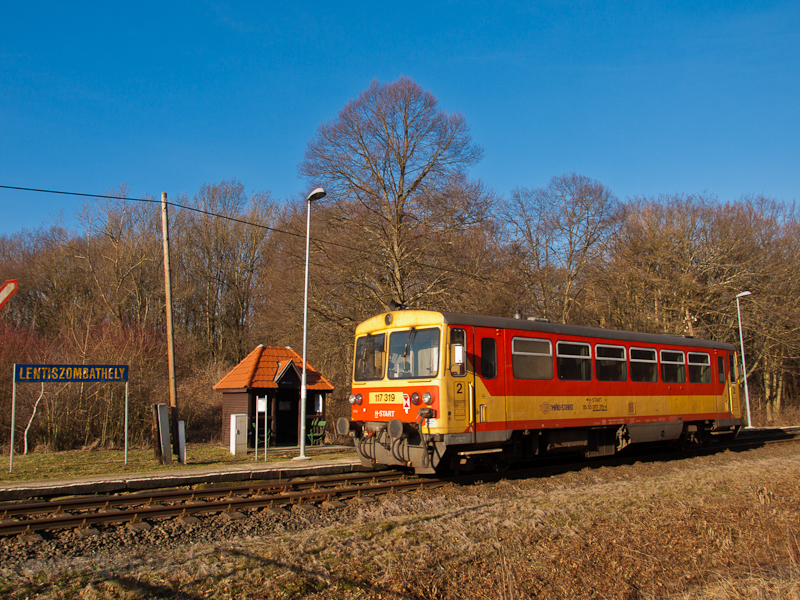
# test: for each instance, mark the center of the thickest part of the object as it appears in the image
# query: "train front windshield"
(414, 354)
(369, 357)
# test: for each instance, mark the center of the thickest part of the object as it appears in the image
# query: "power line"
(154, 201)
(243, 222)
(24, 189)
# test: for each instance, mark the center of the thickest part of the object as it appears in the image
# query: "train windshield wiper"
(412, 333)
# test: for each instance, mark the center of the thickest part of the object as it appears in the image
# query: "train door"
(733, 387)
(490, 393)
(462, 370)
(722, 399)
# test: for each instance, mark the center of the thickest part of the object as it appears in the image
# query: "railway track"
(654, 453)
(139, 510)
(772, 436)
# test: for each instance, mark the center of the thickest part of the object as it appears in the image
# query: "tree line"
(404, 224)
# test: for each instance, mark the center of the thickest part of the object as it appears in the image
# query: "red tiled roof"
(265, 366)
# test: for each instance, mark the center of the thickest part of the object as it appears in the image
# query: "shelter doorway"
(286, 418)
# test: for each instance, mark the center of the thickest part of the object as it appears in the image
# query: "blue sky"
(648, 98)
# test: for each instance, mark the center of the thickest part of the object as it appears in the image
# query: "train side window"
(532, 358)
(609, 363)
(732, 367)
(699, 367)
(673, 366)
(488, 358)
(458, 352)
(574, 361)
(644, 366)
(721, 368)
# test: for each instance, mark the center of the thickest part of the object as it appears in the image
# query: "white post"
(744, 367)
(13, 417)
(262, 403)
(182, 442)
(315, 195)
(126, 422)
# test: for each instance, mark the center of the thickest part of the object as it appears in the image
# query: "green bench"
(316, 432)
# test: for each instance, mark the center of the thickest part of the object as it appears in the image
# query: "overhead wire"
(249, 223)
(155, 201)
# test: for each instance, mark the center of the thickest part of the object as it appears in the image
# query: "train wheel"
(497, 463)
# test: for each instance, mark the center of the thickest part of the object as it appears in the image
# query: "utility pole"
(173, 388)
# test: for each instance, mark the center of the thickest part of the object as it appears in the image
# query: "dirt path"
(721, 526)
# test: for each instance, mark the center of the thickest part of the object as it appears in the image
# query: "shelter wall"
(233, 403)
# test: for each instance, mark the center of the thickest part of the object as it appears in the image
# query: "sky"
(648, 98)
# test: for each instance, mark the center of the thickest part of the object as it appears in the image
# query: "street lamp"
(315, 195)
(744, 367)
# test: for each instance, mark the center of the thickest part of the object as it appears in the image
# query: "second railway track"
(28, 518)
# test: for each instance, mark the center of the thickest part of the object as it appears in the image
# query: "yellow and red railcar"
(434, 389)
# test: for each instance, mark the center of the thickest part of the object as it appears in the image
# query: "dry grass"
(41, 466)
(701, 533)
(789, 416)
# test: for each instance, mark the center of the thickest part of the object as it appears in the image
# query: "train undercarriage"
(408, 445)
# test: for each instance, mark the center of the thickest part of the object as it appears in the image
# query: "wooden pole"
(173, 389)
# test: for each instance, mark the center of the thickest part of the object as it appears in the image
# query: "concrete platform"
(289, 468)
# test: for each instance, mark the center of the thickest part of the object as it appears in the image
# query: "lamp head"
(316, 195)
(743, 294)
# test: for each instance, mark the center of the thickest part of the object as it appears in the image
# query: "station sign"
(70, 373)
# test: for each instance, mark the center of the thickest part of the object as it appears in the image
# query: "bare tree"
(122, 259)
(769, 233)
(557, 232)
(219, 263)
(660, 260)
(677, 263)
(395, 167)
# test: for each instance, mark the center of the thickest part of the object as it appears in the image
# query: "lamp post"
(315, 195)
(744, 367)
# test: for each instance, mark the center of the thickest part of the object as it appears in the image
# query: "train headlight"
(355, 399)
(359, 399)
(427, 398)
(415, 398)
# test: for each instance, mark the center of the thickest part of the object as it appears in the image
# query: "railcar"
(436, 390)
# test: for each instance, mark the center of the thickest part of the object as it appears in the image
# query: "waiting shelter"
(269, 379)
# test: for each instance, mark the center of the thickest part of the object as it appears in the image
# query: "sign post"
(13, 418)
(66, 374)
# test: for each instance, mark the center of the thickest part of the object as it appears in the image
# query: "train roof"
(581, 331)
